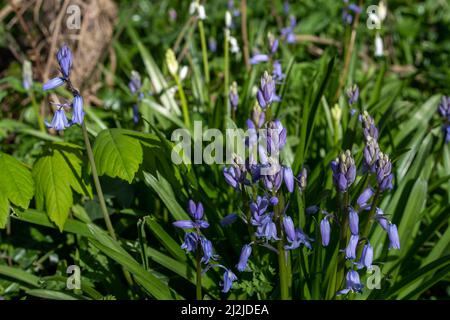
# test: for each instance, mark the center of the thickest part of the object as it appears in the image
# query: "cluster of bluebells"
(444, 111)
(344, 175)
(261, 170)
(277, 72)
(60, 121)
(194, 240)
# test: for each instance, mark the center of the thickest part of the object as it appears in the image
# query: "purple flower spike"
(394, 240)
(353, 283)
(266, 92)
(243, 259)
(325, 231)
(64, 57)
(353, 94)
(344, 171)
(350, 251)
(53, 83)
(353, 221)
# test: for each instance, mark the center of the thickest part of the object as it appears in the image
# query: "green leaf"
(117, 154)
(56, 174)
(19, 275)
(4, 210)
(52, 294)
(163, 188)
(16, 182)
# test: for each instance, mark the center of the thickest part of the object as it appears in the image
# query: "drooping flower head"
(325, 231)
(348, 11)
(59, 121)
(394, 239)
(350, 250)
(353, 283)
(243, 259)
(353, 221)
(363, 199)
(78, 112)
(366, 257)
(295, 236)
(344, 171)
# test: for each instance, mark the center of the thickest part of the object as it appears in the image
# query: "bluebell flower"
(228, 277)
(288, 32)
(325, 231)
(190, 241)
(295, 236)
(366, 257)
(78, 113)
(273, 181)
(444, 108)
(243, 259)
(212, 44)
(273, 201)
(273, 43)
(258, 58)
(288, 177)
(135, 113)
(371, 151)
(344, 171)
(353, 94)
(276, 136)
(53, 83)
(348, 11)
(350, 250)
(266, 92)
(135, 83)
(258, 116)
(233, 96)
(381, 219)
(64, 57)
(383, 170)
(277, 72)
(353, 221)
(363, 199)
(259, 207)
(229, 219)
(394, 240)
(370, 130)
(353, 283)
(234, 176)
(196, 211)
(59, 121)
(267, 228)
(207, 250)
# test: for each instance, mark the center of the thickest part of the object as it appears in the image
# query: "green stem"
(342, 240)
(226, 71)
(36, 110)
(204, 50)
(283, 265)
(184, 105)
(199, 275)
(98, 186)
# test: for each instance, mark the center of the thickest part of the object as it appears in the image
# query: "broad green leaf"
(53, 295)
(56, 174)
(16, 182)
(117, 154)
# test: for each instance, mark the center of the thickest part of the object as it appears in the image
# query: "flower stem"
(226, 71)
(98, 187)
(184, 105)
(283, 272)
(199, 275)
(342, 240)
(204, 50)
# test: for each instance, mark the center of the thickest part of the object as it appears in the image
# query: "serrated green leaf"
(117, 154)
(56, 174)
(16, 182)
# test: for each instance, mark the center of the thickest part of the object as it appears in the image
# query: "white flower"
(201, 12)
(379, 51)
(234, 45)
(183, 72)
(172, 63)
(228, 19)
(195, 6)
(382, 10)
